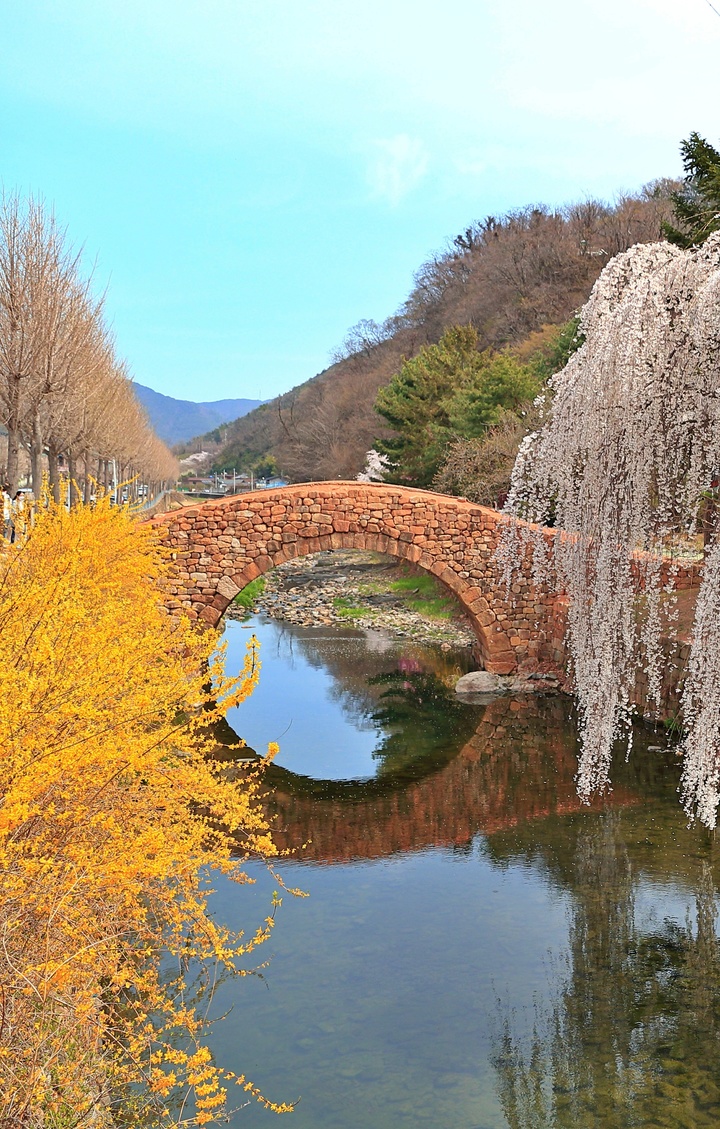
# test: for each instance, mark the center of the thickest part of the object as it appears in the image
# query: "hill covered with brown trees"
(511, 278)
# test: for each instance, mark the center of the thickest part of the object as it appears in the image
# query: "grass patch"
(346, 609)
(247, 597)
(439, 608)
(424, 595)
(421, 583)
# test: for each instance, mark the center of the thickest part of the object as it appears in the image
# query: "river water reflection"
(478, 950)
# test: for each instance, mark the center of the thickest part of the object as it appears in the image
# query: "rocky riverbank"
(363, 590)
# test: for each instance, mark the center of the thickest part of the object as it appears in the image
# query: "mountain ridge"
(176, 421)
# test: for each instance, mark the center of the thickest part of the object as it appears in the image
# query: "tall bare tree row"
(64, 395)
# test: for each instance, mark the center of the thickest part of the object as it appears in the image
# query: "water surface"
(478, 950)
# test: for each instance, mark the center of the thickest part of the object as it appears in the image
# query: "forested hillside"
(509, 277)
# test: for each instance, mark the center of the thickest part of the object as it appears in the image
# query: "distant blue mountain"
(176, 421)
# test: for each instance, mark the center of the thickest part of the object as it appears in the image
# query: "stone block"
(500, 667)
(451, 579)
(226, 587)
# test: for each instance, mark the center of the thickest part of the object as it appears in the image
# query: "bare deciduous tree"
(63, 394)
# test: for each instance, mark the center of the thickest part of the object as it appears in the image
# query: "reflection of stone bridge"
(518, 766)
(219, 547)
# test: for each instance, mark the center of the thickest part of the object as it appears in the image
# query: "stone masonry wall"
(219, 547)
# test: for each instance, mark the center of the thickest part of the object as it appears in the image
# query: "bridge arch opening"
(399, 552)
(349, 701)
(363, 588)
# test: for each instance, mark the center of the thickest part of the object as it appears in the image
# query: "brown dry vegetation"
(509, 277)
(65, 397)
(479, 469)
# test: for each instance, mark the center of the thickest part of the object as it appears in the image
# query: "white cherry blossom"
(624, 466)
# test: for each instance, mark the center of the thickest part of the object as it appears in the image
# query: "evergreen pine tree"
(697, 203)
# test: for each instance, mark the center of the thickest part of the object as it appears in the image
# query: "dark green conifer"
(697, 203)
(448, 389)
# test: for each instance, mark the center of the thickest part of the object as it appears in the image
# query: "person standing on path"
(19, 516)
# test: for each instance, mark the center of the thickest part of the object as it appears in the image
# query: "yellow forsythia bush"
(112, 815)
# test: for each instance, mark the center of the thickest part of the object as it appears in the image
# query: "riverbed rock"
(481, 684)
(328, 589)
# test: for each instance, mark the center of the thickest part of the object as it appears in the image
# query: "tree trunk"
(13, 460)
(13, 430)
(88, 479)
(54, 473)
(36, 452)
(73, 492)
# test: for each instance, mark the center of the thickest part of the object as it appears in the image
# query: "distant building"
(194, 483)
(271, 483)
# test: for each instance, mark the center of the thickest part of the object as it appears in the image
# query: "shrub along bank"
(113, 814)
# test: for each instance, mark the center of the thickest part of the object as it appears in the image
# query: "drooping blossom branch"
(624, 467)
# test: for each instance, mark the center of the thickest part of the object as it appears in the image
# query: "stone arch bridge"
(220, 546)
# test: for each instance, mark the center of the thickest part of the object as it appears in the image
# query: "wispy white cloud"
(471, 165)
(397, 165)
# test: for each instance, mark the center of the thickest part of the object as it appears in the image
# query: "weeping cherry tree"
(624, 467)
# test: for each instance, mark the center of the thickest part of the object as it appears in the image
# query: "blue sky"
(252, 178)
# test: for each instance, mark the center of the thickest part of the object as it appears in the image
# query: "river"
(477, 950)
